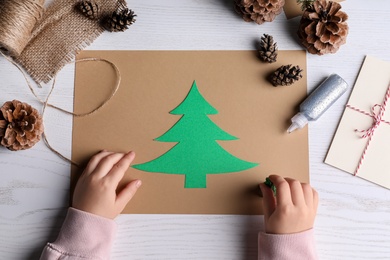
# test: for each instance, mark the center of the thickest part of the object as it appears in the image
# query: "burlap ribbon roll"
(43, 43)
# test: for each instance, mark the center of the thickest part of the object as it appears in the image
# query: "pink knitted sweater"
(86, 236)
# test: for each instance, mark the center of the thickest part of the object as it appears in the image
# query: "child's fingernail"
(138, 183)
(260, 190)
(261, 186)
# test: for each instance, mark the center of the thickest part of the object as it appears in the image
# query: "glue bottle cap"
(298, 121)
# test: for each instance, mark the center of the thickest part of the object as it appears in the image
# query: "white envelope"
(368, 158)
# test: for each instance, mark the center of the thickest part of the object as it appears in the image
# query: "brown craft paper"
(154, 83)
(293, 9)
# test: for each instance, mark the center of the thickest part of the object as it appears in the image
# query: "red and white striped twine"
(377, 121)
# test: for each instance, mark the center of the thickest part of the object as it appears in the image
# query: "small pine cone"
(89, 8)
(259, 11)
(305, 4)
(268, 49)
(323, 28)
(21, 125)
(286, 75)
(120, 20)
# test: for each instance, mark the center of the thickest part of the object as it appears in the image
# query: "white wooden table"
(353, 220)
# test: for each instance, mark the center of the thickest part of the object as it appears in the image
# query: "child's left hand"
(95, 191)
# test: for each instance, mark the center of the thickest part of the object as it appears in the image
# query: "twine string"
(377, 120)
(47, 104)
(18, 19)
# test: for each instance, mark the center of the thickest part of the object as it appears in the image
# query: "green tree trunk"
(195, 180)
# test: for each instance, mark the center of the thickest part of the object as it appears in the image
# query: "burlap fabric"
(59, 35)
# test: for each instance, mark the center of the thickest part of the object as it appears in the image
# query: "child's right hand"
(96, 189)
(293, 209)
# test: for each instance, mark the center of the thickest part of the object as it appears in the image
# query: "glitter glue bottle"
(323, 97)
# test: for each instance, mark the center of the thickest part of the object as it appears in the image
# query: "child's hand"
(95, 191)
(293, 209)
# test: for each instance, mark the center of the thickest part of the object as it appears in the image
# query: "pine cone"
(259, 11)
(305, 4)
(89, 8)
(120, 20)
(323, 28)
(285, 75)
(268, 49)
(21, 125)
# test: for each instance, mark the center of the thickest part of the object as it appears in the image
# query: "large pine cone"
(21, 125)
(259, 11)
(323, 28)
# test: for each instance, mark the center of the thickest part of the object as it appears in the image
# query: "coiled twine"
(17, 20)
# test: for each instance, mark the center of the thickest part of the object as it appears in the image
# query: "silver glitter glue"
(322, 98)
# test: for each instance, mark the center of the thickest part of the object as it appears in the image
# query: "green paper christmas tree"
(197, 152)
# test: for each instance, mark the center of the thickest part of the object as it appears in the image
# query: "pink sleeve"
(83, 236)
(285, 247)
